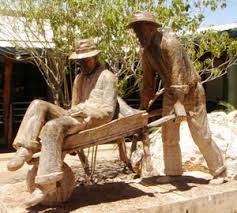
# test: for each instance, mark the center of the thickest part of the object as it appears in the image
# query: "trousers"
(195, 103)
(44, 128)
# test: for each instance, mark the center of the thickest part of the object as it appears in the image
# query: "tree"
(106, 20)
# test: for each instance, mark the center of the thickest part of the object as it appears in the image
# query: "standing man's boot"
(22, 155)
(219, 178)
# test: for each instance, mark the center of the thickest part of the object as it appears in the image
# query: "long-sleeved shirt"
(95, 95)
(166, 56)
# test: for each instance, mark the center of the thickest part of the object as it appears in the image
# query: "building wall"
(232, 85)
(215, 92)
(222, 89)
(26, 84)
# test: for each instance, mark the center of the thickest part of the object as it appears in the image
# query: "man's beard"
(86, 70)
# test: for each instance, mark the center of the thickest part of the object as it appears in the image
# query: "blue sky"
(221, 16)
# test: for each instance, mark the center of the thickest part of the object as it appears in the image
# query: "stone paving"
(191, 193)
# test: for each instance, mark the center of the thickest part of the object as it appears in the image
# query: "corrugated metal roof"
(14, 32)
(220, 28)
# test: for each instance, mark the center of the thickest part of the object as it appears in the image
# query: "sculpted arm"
(148, 84)
(102, 100)
(75, 106)
(75, 93)
(178, 84)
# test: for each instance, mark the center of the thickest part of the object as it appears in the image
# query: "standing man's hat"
(143, 16)
(84, 48)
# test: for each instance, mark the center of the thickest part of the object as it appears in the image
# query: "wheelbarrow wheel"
(64, 187)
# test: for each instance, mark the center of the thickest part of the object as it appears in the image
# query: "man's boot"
(22, 155)
(220, 178)
(40, 194)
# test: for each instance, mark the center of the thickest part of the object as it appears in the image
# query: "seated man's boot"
(22, 155)
(40, 194)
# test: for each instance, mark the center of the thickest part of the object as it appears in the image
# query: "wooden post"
(8, 65)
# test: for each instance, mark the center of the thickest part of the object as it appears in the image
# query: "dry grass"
(189, 166)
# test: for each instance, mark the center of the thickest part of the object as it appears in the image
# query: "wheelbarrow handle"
(161, 121)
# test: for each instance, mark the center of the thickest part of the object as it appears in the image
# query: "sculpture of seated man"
(45, 125)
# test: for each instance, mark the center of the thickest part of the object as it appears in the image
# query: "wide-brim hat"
(84, 48)
(142, 16)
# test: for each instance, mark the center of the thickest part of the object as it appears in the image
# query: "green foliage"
(212, 52)
(227, 106)
(107, 20)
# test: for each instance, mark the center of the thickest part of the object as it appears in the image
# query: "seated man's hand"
(179, 112)
(76, 112)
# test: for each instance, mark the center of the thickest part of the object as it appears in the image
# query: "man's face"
(144, 32)
(87, 65)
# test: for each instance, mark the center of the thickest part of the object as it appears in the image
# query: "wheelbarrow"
(114, 130)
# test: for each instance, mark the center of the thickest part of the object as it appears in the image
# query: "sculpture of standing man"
(183, 94)
(45, 125)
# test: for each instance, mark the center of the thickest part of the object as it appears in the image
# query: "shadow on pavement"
(94, 194)
(181, 183)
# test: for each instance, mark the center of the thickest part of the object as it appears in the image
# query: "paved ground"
(116, 191)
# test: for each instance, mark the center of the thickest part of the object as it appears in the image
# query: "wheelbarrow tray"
(119, 128)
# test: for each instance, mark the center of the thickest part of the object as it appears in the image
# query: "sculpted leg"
(170, 139)
(51, 163)
(171, 149)
(52, 136)
(202, 136)
(199, 128)
(27, 141)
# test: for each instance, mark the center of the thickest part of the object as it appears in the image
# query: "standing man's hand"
(180, 112)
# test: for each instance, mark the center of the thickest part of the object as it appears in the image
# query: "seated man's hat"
(143, 16)
(84, 48)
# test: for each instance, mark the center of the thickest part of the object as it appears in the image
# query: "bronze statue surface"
(184, 94)
(45, 125)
